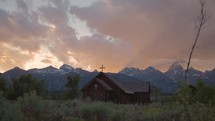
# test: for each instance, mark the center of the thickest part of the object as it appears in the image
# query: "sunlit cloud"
(42, 59)
(73, 61)
(158, 30)
(80, 27)
(89, 68)
(117, 34)
(52, 27)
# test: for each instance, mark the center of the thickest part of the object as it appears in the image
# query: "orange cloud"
(156, 29)
(124, 33)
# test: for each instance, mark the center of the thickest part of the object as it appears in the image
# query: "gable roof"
(119, 84)
(103, 84)
(91, 81)
(138, 86)
(128, 86)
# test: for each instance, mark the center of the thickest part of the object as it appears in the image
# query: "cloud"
(123, 33)
(21, 28)
(156, 29)
(91, 50)
(11, 57)
(47, 61)
(20, 36)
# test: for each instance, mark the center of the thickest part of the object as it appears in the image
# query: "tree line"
(27, 83)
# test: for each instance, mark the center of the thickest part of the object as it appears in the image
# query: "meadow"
(31, 107)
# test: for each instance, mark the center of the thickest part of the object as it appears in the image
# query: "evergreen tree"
(72, 85)
(25, 84)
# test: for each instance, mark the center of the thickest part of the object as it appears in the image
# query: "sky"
(114, 33)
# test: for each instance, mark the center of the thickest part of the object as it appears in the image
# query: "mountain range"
(175, 73)
(167, 82)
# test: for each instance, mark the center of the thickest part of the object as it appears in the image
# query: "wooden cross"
(102, 68)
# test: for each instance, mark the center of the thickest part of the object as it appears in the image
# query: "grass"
(33, 108)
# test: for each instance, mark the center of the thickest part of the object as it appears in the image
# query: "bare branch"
(201, 20)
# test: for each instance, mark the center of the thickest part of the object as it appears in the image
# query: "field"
(31, 107)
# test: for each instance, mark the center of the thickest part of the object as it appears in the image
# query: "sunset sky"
(115, 33)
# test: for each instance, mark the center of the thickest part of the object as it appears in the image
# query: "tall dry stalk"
(201, 20)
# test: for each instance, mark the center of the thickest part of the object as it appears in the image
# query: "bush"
(68, 110)
(95, 112)
(31, 106)
(9, 111)
(202, 112)
(204, 93)
(119, 115)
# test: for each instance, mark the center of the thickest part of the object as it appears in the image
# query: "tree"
(2, 85)
(185, 92)
(72, 85)
(201, 21)
(25, 84)
(204, 93)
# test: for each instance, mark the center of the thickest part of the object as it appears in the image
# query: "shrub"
(95, 112)
(202, 112)
(9, 111)
(119, 115)
(77, 119)
(31, 106)
(157, 112)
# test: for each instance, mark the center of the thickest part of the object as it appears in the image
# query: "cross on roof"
(102, 68)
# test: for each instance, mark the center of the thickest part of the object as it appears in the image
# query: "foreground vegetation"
(25, 100)
(31, 107)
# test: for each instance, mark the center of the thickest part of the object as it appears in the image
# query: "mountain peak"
(176, 66)
(131, 71)
(150, 68)
(50, 68)
(16, 68)
(176, 72)
(66, 67)
(16, 72)
(213, 70)
(128, 69)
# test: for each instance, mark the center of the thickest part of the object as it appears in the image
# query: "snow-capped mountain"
(49, 69)
(209, 77)
(67, 68)
(152, 75)
(55, 78)
(176, 72)
(194, 75)
(13, 73)
(131, 71)
(170, 79)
